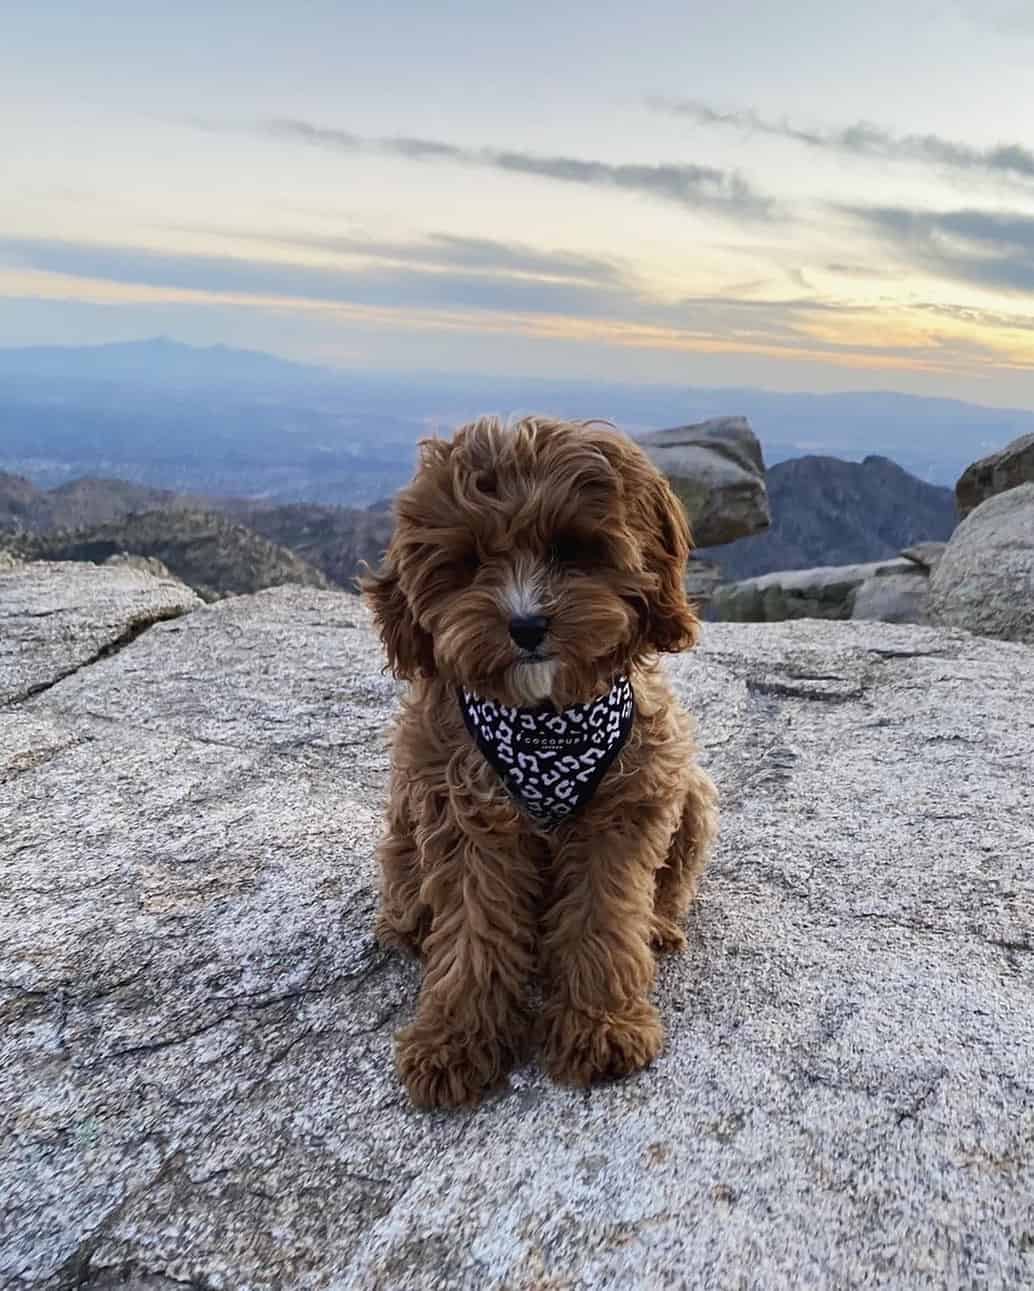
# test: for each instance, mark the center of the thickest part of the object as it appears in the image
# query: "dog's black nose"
(529, 630)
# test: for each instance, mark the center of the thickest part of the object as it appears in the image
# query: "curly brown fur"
(571, 522)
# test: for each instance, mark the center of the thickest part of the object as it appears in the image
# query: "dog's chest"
(551, 761)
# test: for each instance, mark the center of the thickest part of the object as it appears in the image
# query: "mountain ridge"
(827, 511)
(230, 421)
(210, 553)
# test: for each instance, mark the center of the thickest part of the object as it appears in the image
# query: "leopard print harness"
(550, 760)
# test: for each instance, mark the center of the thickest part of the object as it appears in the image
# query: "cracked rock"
(56, 618)
(196, 1076)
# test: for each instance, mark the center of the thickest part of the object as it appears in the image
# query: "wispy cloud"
(1004, 160)
(794, 328)
(371, 284)
(846, 270)
(991, 249)
(978, 318)
(438, 251)
(596, 289)
(707, 188)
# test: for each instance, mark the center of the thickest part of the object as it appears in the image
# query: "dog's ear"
(671, 624)
(409, 648)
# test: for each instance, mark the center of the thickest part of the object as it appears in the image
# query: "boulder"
(57, 618)
(196, 1079)
(1003, 470)
(717, 470)
(893, 598)
(984, 582)
(826, 592)
(702, 578)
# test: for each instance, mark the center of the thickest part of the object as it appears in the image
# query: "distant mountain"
(209, 552)
(336, 540)
(97, 438)
(159, 362)
(202, 421)
(78, 504)
(86, 502)
(220, 421)
(22, 504)
(826, 511)
(77, 516)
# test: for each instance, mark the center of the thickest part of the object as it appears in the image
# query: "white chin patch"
(533, 682)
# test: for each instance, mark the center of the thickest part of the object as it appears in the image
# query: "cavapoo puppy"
(547, 818)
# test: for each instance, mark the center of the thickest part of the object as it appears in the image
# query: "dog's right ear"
(409, 648)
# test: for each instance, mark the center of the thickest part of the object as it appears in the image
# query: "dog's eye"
(576, 551)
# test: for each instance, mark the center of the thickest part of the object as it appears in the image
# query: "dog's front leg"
(598, 1020)
(472, 1021)
(403, 920)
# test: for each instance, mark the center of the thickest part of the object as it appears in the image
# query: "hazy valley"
(241, 470)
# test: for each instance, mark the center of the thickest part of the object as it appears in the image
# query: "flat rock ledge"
(56, 618)
(196, 1083)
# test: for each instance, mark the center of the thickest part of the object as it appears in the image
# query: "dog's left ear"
(671, 623)
(409, 648)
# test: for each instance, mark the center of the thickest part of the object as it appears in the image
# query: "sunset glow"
(823, 209)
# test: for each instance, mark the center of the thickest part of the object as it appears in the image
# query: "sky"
(813, 195)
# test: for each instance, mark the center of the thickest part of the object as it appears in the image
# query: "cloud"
(441, 251)
(1005, 160)
(707, 188)
(978, 318)
(990, 248)
(375, 285)
(792, 329)
(611, 298)
(862, 271)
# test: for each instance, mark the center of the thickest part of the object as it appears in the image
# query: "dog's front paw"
(443, 1070)
(579, 1048)
(666, 938)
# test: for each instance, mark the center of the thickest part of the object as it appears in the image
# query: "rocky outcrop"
(984, 582)
(824, 593)
(148, 564)
(1003, 470)
(925, 554)
(716, 468)
(893, 591)
(196, 1082)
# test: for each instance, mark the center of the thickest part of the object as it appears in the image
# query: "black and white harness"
(552, 760)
